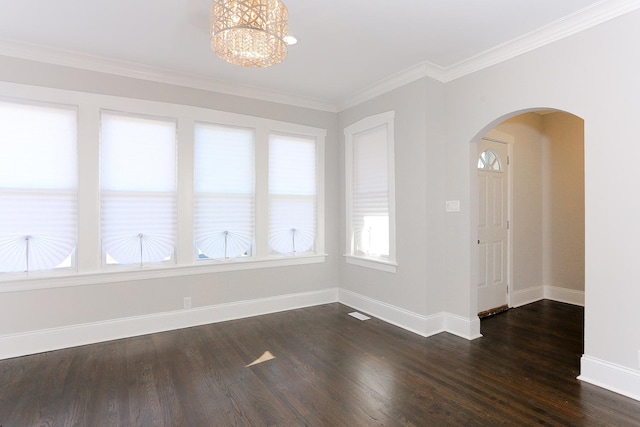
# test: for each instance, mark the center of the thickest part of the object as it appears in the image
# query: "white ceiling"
(345, 46)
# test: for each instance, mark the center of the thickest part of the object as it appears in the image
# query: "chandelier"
(249, 33)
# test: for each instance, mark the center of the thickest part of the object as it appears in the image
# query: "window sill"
(41, 280)
(373, 263)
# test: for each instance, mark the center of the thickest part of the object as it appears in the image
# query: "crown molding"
(409, 75)
(577, 22)
(22, 50)
(586, 18)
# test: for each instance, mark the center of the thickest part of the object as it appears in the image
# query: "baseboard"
(565, 295)
(22, 344)
(462, 326)
(608, 375)
(527, 296)
(422, 325)
(553, 293)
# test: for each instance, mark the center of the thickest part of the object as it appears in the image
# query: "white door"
(493, 225)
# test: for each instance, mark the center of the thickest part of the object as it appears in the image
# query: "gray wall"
(563, 176)
(526, 224)
(420, 177)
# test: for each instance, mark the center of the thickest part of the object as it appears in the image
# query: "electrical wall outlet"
(186, 302)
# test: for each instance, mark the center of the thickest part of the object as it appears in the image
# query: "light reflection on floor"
(266, 356)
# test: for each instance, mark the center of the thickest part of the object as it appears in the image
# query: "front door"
(492, 225)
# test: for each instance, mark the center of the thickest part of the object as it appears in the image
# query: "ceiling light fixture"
(249, 33)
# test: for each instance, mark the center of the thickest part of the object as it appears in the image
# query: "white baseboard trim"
(422, 325)
(22, 344)
(462, 326)
(527, 296)
(405, 319)
(554, 293)
(569, 296)
(608, 375)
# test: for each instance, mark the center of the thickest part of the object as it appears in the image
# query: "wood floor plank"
(329, 369)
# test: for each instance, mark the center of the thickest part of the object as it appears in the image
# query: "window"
(224, 197)
(137, 189)
(38, 186)
(369, 164)
(292, 194)
(489, 161)
(97, 189)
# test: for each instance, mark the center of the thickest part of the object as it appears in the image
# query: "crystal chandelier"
(249, 33)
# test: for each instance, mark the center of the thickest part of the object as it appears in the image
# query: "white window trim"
(60, 279)
(387, 264)
(89, 269)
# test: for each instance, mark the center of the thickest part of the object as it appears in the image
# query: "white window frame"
(387, 264)
(89, 269)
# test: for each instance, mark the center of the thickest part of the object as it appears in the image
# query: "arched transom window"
(489, 161)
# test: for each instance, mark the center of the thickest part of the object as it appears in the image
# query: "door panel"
(496, 204)
(482, 260)
(498, 263)
(482, 202)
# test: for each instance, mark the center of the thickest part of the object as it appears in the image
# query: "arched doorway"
(544, 211)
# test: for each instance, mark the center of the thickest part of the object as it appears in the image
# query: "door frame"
(502, 138)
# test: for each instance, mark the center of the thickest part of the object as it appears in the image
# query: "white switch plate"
(187, 302)
(452, 206)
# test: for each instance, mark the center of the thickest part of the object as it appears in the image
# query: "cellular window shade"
(224, 196)
(38, 186)
(137, 188)
(370, 193)
(292, 194)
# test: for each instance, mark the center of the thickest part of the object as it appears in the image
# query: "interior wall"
(563, 147)
(593, 75)
(417, 284)
(526, 177)
(46, 308)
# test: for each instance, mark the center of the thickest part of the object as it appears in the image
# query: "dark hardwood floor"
(329, 370)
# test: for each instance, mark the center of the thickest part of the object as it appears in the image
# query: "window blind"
(224, 196)
(38, 186)
(370, 193)
(137, 188)
(292, 194)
